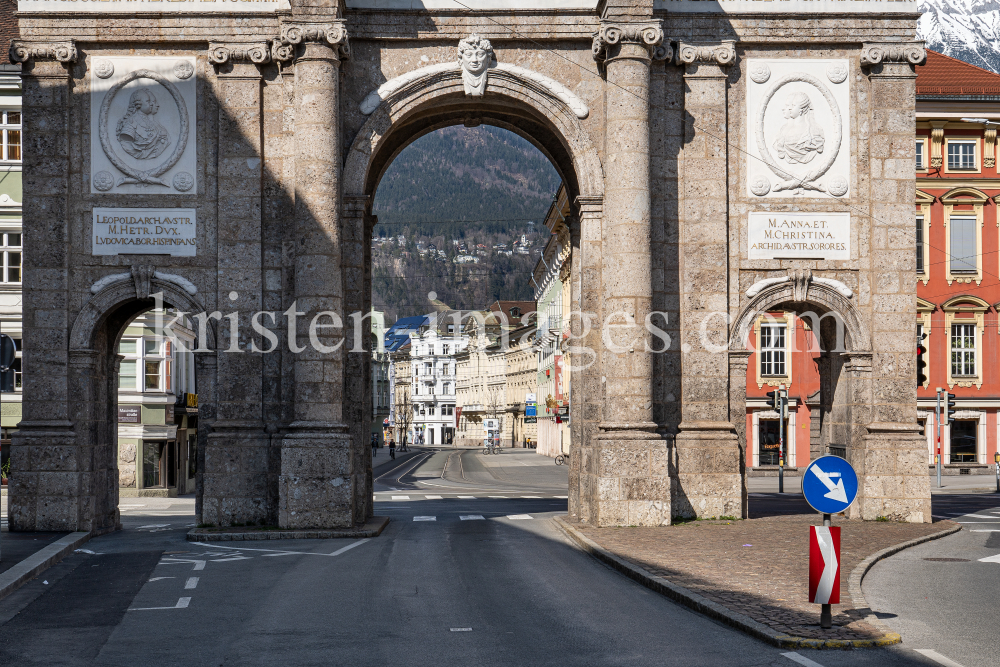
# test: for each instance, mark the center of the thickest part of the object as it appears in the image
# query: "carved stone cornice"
(258, 53)
(893, 52)
(22, 52)
(646, 33)
(714, 53)
(332, 33)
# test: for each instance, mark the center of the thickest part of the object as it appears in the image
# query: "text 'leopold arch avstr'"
(222, 156)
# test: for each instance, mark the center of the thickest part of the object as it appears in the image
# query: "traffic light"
(773, 400)
(951, 408)
(921, 365)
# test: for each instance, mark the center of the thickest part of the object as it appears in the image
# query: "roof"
(944, 76)
(505, 307)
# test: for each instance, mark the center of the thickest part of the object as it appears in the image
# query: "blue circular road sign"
(830, 484)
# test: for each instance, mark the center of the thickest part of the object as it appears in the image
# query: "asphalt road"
(470, 571)
(945, 593)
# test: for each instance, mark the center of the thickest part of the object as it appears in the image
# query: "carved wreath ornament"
(810, 181)
(142, 176)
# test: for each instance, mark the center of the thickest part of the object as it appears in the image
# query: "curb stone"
(743, 622)
(373, 528)
(40, 561)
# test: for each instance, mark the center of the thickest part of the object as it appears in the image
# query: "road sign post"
(830, 486)
(937, 417)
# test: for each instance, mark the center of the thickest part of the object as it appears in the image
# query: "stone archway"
(525, 102)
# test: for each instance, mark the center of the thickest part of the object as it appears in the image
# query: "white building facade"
(432, 355)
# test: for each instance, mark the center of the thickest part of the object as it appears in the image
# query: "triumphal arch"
(724, 158)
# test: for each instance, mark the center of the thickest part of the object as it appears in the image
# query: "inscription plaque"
(145, 231)
(799, 236)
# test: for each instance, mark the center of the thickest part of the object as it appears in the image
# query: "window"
(772, 350)
(961, 154)
(920, 244)
(445, 350)
(152, 455)
(10, 126)
(430, 411)
(963, 350)
(126, 374)
(962, 234)
(963, 441)
(11, 248)
(921, 160)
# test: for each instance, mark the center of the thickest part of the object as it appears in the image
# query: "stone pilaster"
(317, 481)
(708, 465)
(236, 459)
(630, 481)
(49, 465)
(738, 360)
(893, 463)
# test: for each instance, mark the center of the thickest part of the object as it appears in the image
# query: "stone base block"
(892, 475)
(235, 477)
(628, 482)
(317, 484)
(707, 470)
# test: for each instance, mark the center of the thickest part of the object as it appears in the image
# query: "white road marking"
(496, 496)
(936, 657)
(801, 659)
(518, 517)
(563, 497)
(986, 530)
(87, 551)
(425, 518)
(198, 564)
(990, 559)
(125, 506)
(433, 497)
(181, 604)
(154, 525)
(227, 560)
(532, 497)
(978, 523)
(461, 629)
(978, 516)
(400, 497)
(158, 578)
(192, 582)
(349, 547)
(466, 497)
(471, 517)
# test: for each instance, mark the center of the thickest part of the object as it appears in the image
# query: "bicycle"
(562, 459)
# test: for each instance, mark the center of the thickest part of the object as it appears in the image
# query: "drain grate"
(948, 560)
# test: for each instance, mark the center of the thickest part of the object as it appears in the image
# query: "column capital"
(355, 206)
(258, 53)
(893, 52)
(648, 34)
(590, 205)
(330, 33)
(720, 53)
(22, 51)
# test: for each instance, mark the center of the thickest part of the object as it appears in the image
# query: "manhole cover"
(948, 560)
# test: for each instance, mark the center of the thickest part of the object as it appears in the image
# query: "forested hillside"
(481, 187)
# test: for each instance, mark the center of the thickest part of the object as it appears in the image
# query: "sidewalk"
(754, 573)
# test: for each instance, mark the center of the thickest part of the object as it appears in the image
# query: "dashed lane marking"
(533, 497)
(191, 583)
(433, 497)
(466, 497)
(801, 659)
(461, 629)
(496, 496)
(425, 518)
(519, 517)
(936, 657)
(400, 497)
(471, 517)
(181, 604)
(562, 497)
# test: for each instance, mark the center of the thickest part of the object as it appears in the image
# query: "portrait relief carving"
(475, 56)
(799, 136)
(142, 126)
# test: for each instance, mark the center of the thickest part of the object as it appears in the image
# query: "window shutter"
(963, 245)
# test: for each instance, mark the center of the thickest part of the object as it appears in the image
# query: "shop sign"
(531, 420)
(531, 398)
(128, 414)
(491, 424)
(531, 410)
(192, 400)
(563, 410)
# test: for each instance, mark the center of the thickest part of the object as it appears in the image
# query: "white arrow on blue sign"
(830, 484)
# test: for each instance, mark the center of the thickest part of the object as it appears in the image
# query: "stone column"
(234, 482)
(708, 466)
(206, 371)
(893, 481)
(629, 482)
(318, 470)
(738, 360)
(50, 483)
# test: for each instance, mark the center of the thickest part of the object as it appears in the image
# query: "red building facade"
(957, 268)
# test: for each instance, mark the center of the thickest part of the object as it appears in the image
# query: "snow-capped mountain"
(965, 29)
